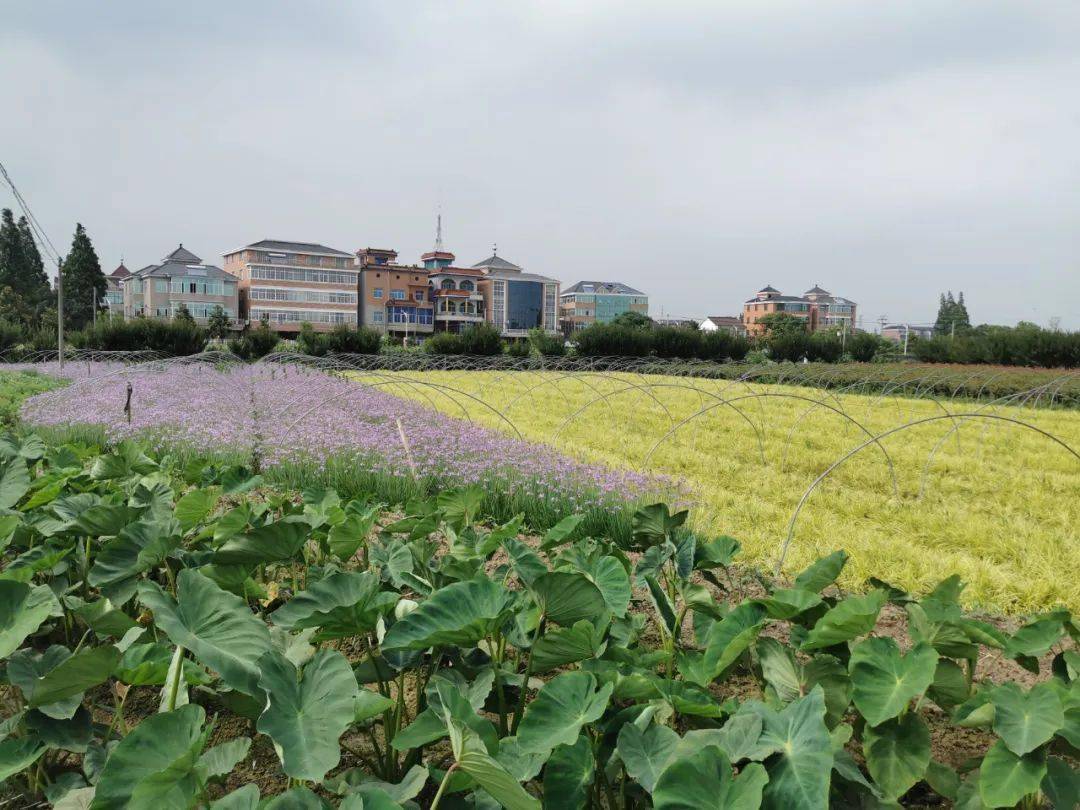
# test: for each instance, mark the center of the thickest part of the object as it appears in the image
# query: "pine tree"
(12, 260)
(38, 288)
(84, 283)
(183, 314)
(960, 316)
(952, 315)
(218, 324)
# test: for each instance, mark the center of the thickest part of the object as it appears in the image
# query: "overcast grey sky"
(885, 150)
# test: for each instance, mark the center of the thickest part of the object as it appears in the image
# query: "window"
(467, 285)
(300, 316)
(303, 296)
(397, 295)
(303, 274)
(376, 317)
(377, 292)
(418, 295)
(447, 284)
(161, 285)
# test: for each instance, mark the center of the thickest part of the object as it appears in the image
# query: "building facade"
(394, 298)
(516, 301)
(819, 308)
(114, 292)
(726, 323)
(589, 302)
(901, 332)
(291, 283)
(455, 291)
(159, 290)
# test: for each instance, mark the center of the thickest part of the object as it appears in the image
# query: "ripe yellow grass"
(1000, 503)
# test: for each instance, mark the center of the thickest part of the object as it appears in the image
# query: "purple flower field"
(291, 414)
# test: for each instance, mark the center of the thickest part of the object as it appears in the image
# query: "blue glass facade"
(524, 304)
(409, 315)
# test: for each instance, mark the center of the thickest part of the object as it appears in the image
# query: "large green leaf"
(851, 618)
(473, 758)
(193, 507)
(799, 774)
(342, 604)
(565, 704)
(1026, 721)
(730, 637)
(221, 759)
(139, 547)
(704, 781)
(567, 597)
(786, 603)
(653, 524)
(17, 754)
(883, 680)
(1061, 783)
(614, 583)
(897, 753)
(346, 537)
(645, 754)
(822, 573)
(790, 679)
(155, 766)
(270, 543)
(1005, 778)
(75, 675)
(102, 616)
(14, 481)
(215, 625)
(569, 771)
(561, 532)
(566, 645)
(26, 667)
(459, 614)
(22, 610)
(104, 520)
(245, 798)
(306, 715)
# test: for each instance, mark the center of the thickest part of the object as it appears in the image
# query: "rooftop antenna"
(438, 233)
(495, 249)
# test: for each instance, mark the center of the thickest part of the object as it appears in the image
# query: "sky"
(888, 151)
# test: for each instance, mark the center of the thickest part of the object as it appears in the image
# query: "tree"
(84, 283)
(952, 315)
(780, 324)
(183, 314)
(637, 320)
(218, 324)
(24, 287)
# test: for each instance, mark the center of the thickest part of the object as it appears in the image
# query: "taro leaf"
(950, 687)
(822, 573)
(704, 780)
(786, 603)
(943, 780)
(790, 679)
(566, 645)
(218, 627)
(684, 557)
(342, 604)
(30, 447)
(103, 520)
(75, 675)
(14, 481)
(346, 537)
(646, 753)
(853, 617)
(128, 459)
(232, 522)
(522, 765)
(221, 759)
(460, 614)
(1035, 638)
(653, 524)
(1005, 778)
(155, 765)
(148, 665)
(369, 797)
(299, 798)
(740, 738)
(245, 798)
(305, 716)
(448, 702)
(611, 578)
(238, 479)
(526, 563)
(263, 544)
(567, 597)
(686, 698)
(883, 680)
(569, 771)
(369, 704)
(22, 610)
(897, 753)
(103, 617)
(730, 637)
(716, 553)
(473, 758)
(193, 507)
(799, 774)
(561, 532)
(77, 799)
(25, 668)
(1061, 783)
(665, 610)
(565, 704)
(69, 735)
(139, 547)
(17, 754)
(460, 507)
(1026, 721)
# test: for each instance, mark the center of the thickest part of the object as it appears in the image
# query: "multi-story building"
(394, 298)
(455, 291)
(159, 290)
(114, 293)
(589, 302)
(819, 308)
(292, 283)
(516, 301)
(902, 332)
(726, 323)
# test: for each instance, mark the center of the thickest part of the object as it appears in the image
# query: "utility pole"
(60, 313)
(907, 332)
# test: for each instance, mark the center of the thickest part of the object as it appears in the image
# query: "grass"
(15, 386)
(1001, 504)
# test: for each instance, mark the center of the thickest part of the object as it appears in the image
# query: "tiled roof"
(120, 272)
(497, 263)
(182, 254)
(296, 247)
(768, 288)
(602, 287)
(816, 290)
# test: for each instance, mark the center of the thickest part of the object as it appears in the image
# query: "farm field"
(999, 502)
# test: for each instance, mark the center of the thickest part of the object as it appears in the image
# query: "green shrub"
(444, 343)
(178, 337)
(518, 348)
(610, 340)
(1023, 345)
(255, 343)
(723, 345)
(863, 346)
(677, 341)
(482, 338)
(547, 344)
(10, 335)
(344, 340)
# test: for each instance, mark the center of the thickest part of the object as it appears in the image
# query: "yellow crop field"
(989, 492)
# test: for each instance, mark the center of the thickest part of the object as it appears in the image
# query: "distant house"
(818, 307)
(517, 301)
(159, 290)
(114, 293)
(589, 302)
(727, 323)
(899, 332)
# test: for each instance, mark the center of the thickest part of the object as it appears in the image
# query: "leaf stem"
(174, 684)
(442, 786)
